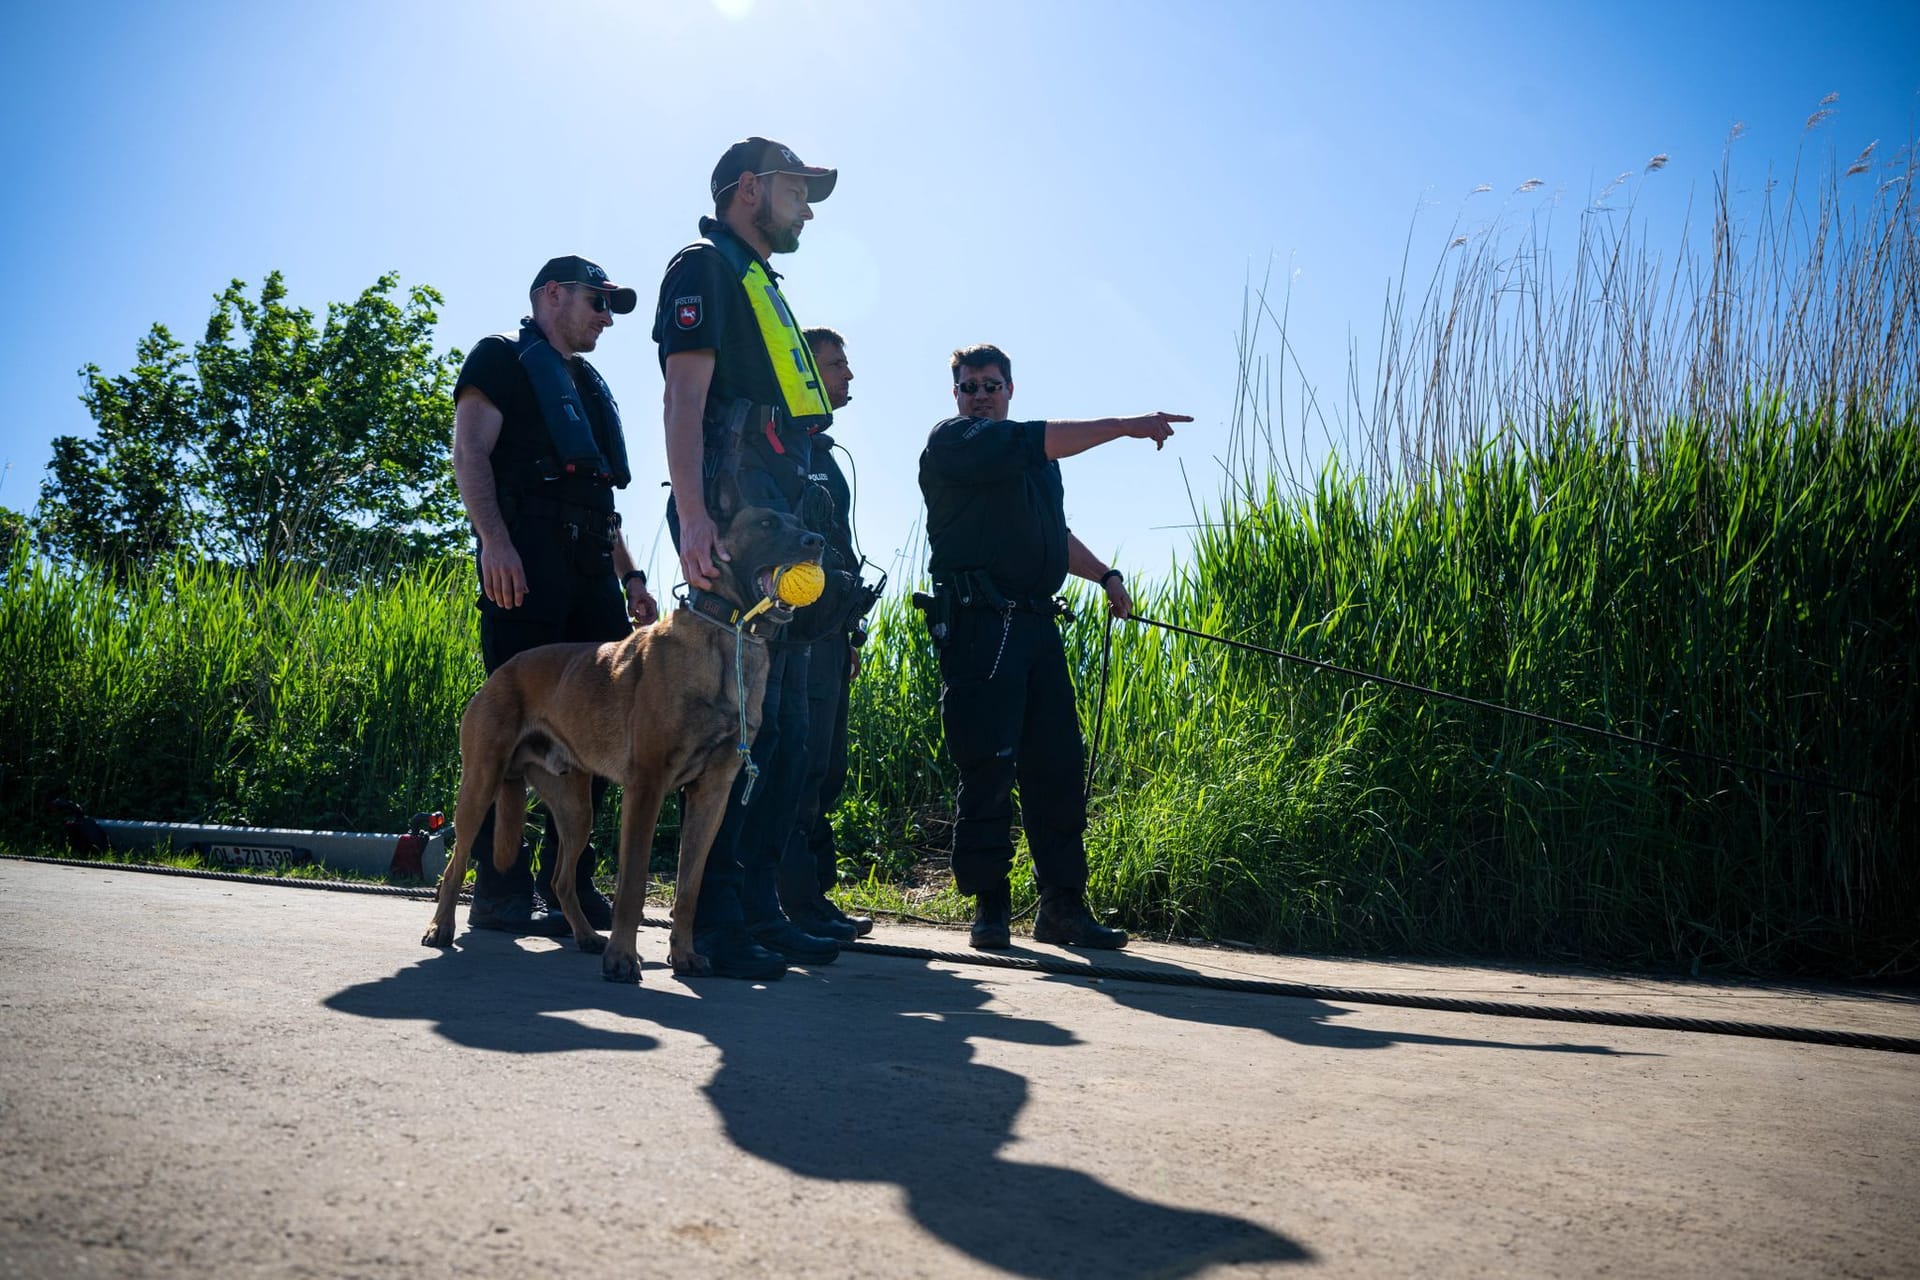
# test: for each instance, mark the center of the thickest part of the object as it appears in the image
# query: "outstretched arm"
(1066, 437)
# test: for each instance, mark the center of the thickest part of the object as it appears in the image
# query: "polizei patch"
(686, 312)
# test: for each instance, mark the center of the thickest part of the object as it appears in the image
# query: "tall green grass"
(321, 697)
(1757, 601)
(1673, 497)
(197, 691)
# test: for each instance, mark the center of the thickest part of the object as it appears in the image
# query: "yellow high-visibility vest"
(787, 350)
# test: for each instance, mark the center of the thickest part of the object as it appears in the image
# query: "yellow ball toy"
(800, 584)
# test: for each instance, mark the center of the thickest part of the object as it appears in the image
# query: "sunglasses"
(970, 387)
(597, 298)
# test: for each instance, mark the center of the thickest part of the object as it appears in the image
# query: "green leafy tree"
(13, 531)
(121, 497)
(275, 440)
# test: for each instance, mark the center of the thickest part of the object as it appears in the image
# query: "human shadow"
(1174, 991)
(865, 1071)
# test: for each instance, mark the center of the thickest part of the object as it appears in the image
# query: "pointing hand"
(1155, 426)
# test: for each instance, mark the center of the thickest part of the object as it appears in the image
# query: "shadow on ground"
(866, 1071)
(1299, 1021)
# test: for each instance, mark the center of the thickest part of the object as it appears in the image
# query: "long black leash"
(1099, 706)
(1159, 977)
(1374, 678)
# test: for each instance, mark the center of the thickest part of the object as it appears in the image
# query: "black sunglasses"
(597, 298)
(970, 387)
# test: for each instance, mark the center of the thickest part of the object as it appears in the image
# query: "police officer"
(810, 865)
(999, 550)
(537, 453)
(739, 370)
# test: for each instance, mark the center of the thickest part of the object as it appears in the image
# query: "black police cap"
(573, 269)
(757, 155)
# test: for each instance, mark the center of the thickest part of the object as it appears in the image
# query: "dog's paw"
(593, 944)
(618, 966)
(437, 935)
(692, 964)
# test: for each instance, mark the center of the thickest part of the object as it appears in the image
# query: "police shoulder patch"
(687, 312)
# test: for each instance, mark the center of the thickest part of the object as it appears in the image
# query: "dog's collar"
(722, 611)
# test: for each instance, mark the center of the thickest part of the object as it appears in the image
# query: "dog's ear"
(724, 500)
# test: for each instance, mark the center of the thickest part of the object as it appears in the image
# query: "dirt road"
(211, 1079)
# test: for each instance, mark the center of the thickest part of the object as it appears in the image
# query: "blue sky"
(1092, 186)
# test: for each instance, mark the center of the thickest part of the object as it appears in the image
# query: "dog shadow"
(490, 993)
(863, 1072)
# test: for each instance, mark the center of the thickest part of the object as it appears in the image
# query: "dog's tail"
(509, 819)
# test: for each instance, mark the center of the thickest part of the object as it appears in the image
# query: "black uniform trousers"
(1007, 705)
(740, 883)
(571, 595)
(811, 864)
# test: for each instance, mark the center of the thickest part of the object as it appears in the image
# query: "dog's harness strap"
(718, 609)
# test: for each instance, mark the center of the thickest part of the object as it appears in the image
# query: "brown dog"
(655, 712)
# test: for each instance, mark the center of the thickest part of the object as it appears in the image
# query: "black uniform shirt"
(703, 307)
(829, 513)
(493, 369)
(839, 526)
(995, 503)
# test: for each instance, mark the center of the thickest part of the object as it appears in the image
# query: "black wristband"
(630, 575)
(1111, 573)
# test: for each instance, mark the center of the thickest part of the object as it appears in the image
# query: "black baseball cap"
(574, 269)
(757, 155)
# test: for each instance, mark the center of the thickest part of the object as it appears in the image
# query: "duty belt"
(578, 521)
(977, 591)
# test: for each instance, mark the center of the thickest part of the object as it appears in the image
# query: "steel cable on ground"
(1163, 978)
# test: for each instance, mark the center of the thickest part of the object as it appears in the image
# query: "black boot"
(593, 904)
(1063, 919)
(731, 953)
(506, 901)
(808, 910)
(821, 918)
(794, 944)
(862, 925)
(821, 925)
(993, 919)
